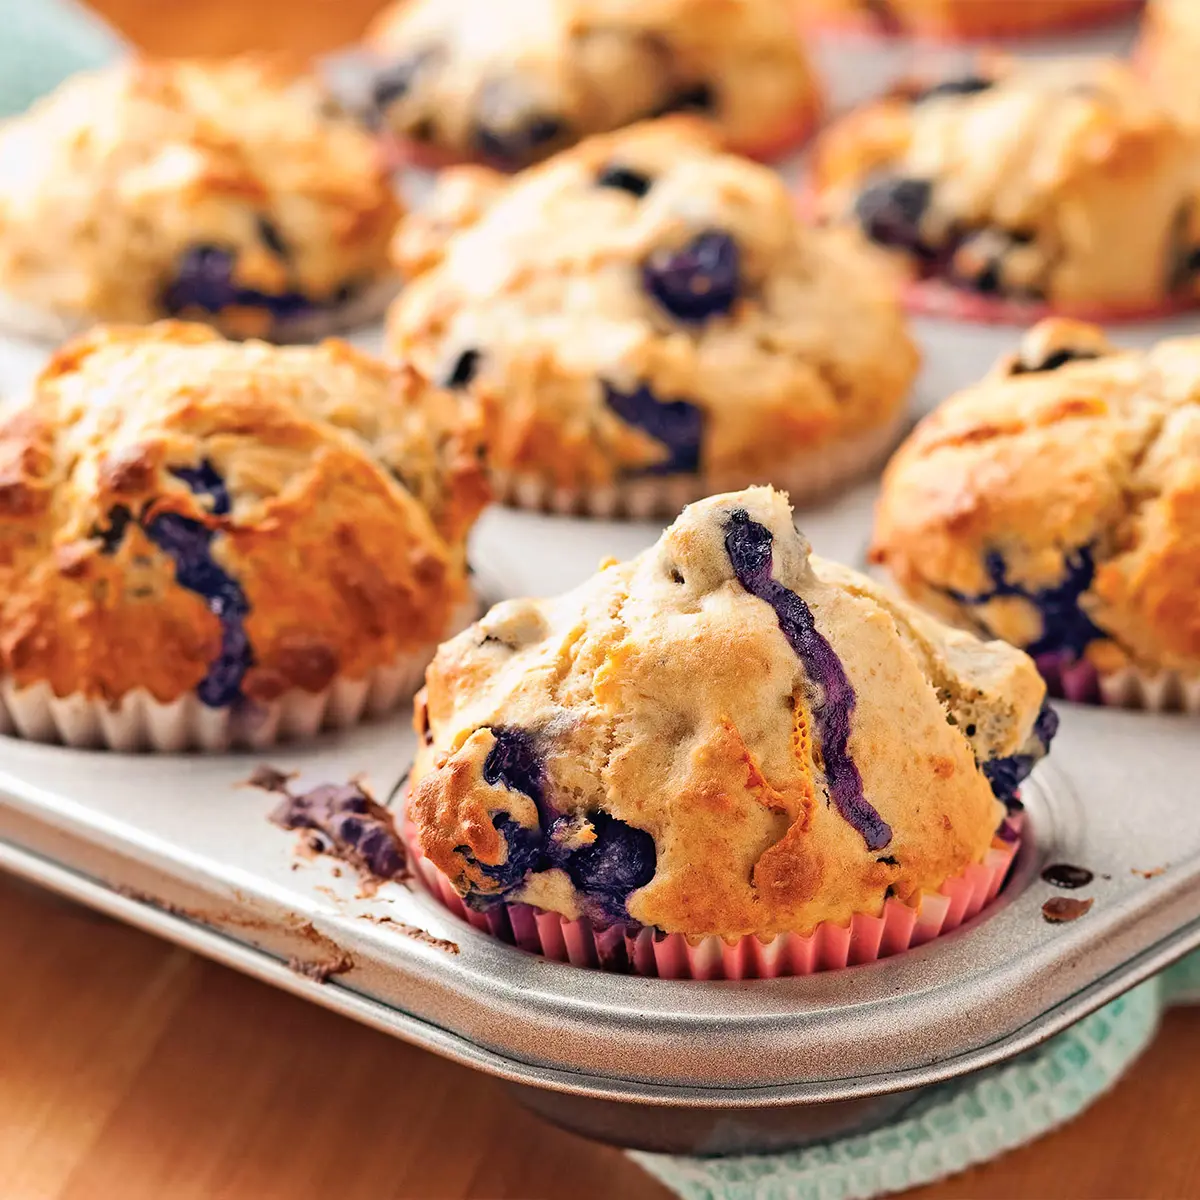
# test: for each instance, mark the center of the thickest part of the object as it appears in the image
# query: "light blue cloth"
(44, 41)
(956, 1125)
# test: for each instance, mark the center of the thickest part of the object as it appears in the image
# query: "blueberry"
(1007, 774)
(189, 544)
(509, 130)
(204, 281)
(749, 547)
(1052, 361)
(966, 85)
(514, 763)
(624, 179)
(697, 282)
(1066, 628)
(890, 212)
(396, 80)
(677, 424)
(696, 97)
(112, 535)
(205, 480)
(269, 235)
(620, 860)
(465, 367)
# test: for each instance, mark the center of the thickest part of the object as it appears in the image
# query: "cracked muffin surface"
(227, 192)
(1010, 189)
(963, 18)
(511, 83)
(721, 736)
(1057, 503)
(647, 307)
(181, 514)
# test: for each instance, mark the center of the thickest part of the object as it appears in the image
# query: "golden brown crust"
(1020, 188)
(349, 499)
(542, 280)
(663, 697)
(107, 185)
(1166, 55)
(1101, 456)
(513, 83)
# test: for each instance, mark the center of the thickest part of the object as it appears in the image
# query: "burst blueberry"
(749, 547)
(891, 210)
(620, 860)
(1007, 774)
(697, 282)
(204, 282)
(677, 424)
(1066, 628)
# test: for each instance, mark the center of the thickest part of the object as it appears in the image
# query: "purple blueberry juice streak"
(748, 545)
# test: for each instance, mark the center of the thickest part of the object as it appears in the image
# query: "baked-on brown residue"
(1058, 909)
(415, 932)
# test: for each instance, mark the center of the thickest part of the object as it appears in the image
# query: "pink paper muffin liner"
(1081, 683)
(672, 956)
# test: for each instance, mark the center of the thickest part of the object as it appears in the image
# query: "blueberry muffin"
(1167, 53)
(221, 191)
(644, 320)
(963, 19)
(723, 738)
(1059, 185)
(512, 83)
(1057, 505)
(207, 543)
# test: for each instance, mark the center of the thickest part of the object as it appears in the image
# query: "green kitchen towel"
(44, 41)
(952, 1126)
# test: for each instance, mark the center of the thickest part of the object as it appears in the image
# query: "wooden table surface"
(132, 1070)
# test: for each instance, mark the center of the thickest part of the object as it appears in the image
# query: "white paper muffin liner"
(807, 476)
(139, 722)
(46, 325)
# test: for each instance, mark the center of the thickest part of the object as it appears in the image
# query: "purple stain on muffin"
(1066, 629)
(698, 281)
(749, 547)
(1007, 774)
(188, 543)
(617, 860)
(358, 828)
(204, 282)
(677, 424)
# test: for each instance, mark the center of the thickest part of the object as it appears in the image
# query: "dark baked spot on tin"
(1066, 875)
(1059, 909)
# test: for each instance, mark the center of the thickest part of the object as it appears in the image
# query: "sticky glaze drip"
(748, 545)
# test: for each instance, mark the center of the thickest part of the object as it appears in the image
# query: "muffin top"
(1016, 184)
(222, 190)
(646, 304)
(1057, 503)
(179, 512)
(1167, 51)
(510, 83)
(721, 736)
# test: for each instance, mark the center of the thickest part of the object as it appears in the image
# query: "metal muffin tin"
(174, 845)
